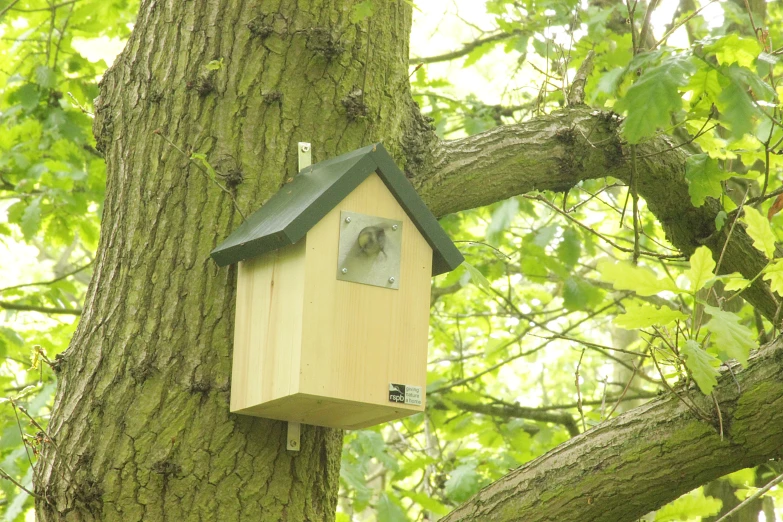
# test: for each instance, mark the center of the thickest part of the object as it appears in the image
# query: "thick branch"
(647, 457)
(557, 151)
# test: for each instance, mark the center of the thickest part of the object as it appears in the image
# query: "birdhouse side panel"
(358, 339)
(268, 327)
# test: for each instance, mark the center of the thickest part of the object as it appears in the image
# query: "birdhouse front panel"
(366, 337)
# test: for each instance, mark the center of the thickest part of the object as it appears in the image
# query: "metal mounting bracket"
(292, 437)
(305, 155)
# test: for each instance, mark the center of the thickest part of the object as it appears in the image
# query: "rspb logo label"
(405, 394)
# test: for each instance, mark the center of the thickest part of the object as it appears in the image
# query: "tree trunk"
(141, 423)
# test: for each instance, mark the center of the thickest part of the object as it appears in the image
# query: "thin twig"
(616, 404)
(81, 107)
(585, 227)
(6, 476)
(497, 250)
(48, 438)
(42, 309)
(720, 415)
(579, 392)
(55, 280)
(771, 484)
(693, 408)
(685, 21)
(647, 20)
(8, 8)
(203, 171)
(21, 431)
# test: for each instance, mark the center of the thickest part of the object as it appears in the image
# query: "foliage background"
(526, 346)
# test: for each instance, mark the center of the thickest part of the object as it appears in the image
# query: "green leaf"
(354, 476)
(477, 277)
(502, 217)
(27, 95)
(646, 315)
(733, 281)
(214, 65)
(704, 177)
(735, 49)
(720, 220)
(691, 506)
(45, 77)
(736, 109)
(653, 98)
(389, 510)
(362, 10)
(625, 276)
(202, 159)
(578, 294)
(570, 248)
(702, 365)
(729, 336)
(702, 266)
(426, 502)
(463, 482)
(759, 230)
(774, 274)
(31, 219)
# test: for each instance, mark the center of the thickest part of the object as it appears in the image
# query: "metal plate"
(370, 250)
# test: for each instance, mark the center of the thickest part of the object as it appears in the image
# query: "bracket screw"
(391, 280)
(293, 443)
(394, 227)
(344, 270)
(348, 219)
(305, 147)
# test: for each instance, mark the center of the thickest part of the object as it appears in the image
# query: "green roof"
(299, 205)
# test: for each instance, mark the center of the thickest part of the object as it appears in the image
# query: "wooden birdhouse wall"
(313, 349)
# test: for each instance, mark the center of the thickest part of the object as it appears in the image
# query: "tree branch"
(467, 48)
(646, 457)
(555, 152)
(43, 309)
(514, 411)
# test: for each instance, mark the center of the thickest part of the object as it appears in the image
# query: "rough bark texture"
(637, 462)
(141, 420)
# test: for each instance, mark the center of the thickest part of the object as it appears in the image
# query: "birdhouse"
(333, 295)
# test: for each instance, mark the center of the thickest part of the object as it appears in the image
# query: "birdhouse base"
(330, 412)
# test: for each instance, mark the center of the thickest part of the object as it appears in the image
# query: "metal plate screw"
(344, 270)
(391, 280)
(394, 227)
(306, 147)
(348, 219)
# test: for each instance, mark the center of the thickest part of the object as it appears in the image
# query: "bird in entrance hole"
(372, 241)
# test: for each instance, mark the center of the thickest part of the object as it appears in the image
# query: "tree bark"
(141, 423)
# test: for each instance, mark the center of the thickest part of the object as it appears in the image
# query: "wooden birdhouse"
(333, 295)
